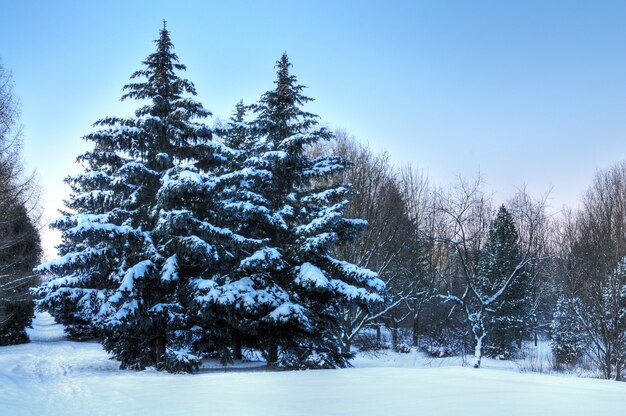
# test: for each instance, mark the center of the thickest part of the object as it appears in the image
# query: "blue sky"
(527, 92)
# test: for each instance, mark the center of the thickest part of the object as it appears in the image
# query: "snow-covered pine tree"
(200, 234)
(113, 278)
(569, 339)
(233, 299)
(508, 317)
(301, 215)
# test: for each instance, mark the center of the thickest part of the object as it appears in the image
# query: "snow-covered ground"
(51, 376)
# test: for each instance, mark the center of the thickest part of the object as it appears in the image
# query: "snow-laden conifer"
(301, 215)
(569, 339)
(510, 314)
(116, 277)
(202, 239)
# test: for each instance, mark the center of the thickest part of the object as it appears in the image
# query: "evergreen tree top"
(501, 253)
(279, 110)
(160, 74)
(235, 134)
(503, 228)
(169, 126)
(287, 87)
(239, 113)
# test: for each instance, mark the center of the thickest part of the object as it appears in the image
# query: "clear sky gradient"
(527, 92)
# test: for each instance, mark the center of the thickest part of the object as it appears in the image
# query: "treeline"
(590, 252)
(463, 274)
(466, 275)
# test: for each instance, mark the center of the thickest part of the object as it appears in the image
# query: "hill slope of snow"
(51, 376)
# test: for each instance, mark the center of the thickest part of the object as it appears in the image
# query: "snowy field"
(51, 376)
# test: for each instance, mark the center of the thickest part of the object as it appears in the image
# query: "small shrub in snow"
(537, 359)
(367, 342)
(302, 357)
(436, 348)
(403, 348)
(374, 346)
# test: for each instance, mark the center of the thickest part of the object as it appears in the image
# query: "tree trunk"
(607, 364)
(272, 355)
(394, 336)
(478, 351)
(416, 332)
(379, 338)
(479, 334)
(156, 345)
(346, 343)
(237, 350)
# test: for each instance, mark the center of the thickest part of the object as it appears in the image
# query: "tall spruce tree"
(200, 228)
(236, 299)
(300, 213)
(122, 256)
(508, 317)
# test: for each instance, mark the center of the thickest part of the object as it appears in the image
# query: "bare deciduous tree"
(386, 246)
(469, 211)
(593, 253)
(426, 257)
